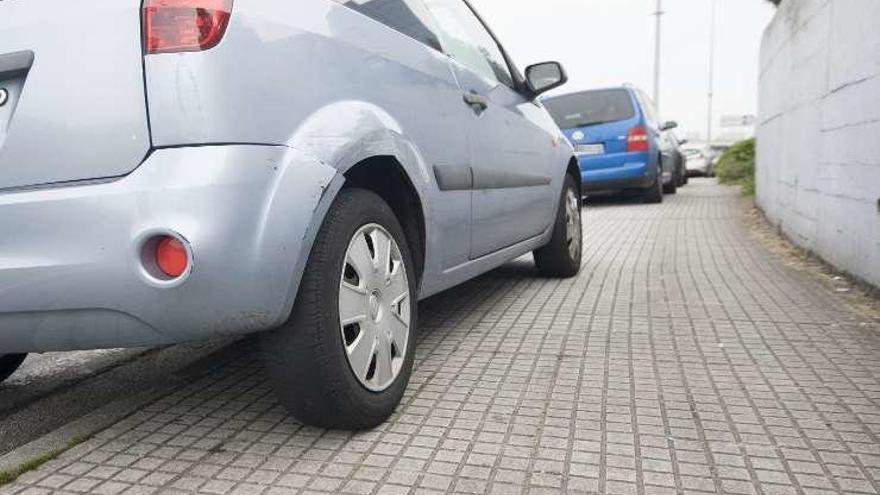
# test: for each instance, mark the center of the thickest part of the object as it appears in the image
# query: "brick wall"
(819, 130)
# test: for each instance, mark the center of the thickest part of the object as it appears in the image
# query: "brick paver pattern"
(684, 359)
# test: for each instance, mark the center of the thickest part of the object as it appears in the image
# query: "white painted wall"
(818, 170)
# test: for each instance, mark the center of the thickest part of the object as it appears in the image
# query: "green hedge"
(737, 166)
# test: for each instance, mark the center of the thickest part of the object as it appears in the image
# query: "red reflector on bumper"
(171, 257)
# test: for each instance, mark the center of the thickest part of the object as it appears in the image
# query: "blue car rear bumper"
(617, 171)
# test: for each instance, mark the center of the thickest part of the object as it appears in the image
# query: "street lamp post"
(658, 14)
(711, 73)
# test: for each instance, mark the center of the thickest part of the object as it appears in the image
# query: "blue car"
(618, 140)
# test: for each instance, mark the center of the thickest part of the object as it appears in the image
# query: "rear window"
(590, 108)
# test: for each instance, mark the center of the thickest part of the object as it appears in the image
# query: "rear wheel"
(344, 358)
(681, 176)
(672, 187)
(561, 257)
(9, 363)
(654, 194)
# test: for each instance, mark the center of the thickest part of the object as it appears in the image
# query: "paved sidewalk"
(684, 359)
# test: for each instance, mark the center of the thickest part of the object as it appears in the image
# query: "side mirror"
(543, 77)
(669, 125)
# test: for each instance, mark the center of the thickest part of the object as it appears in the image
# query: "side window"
(467, 40)
(406, 16)
(648, 108)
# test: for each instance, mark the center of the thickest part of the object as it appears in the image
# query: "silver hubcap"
(573, 223)
(374, 307)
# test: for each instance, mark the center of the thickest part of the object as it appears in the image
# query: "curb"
(76, 431)
(49, 446)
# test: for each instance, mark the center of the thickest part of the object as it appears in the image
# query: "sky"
(610, 42)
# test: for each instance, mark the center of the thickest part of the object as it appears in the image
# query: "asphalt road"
(41, 374)
(52, 389)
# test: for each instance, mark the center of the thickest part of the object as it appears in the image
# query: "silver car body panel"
(77, 110)
(70, 276)
(251, 143)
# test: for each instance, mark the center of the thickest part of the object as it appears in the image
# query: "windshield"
(590, 108)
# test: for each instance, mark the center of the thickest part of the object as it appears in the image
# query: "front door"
(510, 138)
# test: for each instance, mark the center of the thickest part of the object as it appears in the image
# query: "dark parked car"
(679, 160)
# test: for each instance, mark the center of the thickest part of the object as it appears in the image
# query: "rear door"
(73, 73)
(511, 138)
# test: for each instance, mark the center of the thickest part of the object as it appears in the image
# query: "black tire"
(654, 194)
(9, 363)
(306, 358)
(561, 257)
(671, 188)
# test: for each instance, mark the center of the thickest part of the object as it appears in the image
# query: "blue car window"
(648, 109)
(590, 108)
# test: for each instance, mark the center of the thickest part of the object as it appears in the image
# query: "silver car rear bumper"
(71, 272)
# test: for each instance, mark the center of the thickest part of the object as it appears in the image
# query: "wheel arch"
(386, 176)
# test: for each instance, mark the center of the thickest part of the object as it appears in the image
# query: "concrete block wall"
(818, 170)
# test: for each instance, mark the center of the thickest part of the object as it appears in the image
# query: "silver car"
(699, 163)
(187, 169)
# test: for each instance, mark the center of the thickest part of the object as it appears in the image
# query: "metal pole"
(658, 14)
(711, 73)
